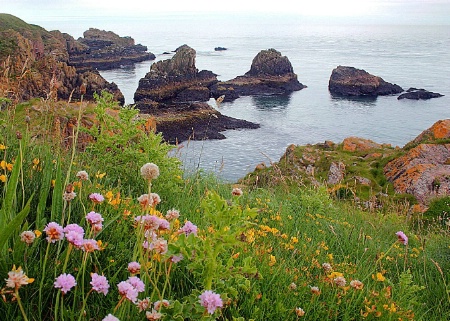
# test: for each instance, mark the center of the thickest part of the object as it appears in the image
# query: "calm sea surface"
(410, 56)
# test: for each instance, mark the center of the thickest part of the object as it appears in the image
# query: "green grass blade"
(44, 191)
(11, 188)
(57, 200)
(13, 225)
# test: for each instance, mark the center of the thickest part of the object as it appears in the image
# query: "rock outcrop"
(357, 144)
(270, 74)
(102, 50)
(423, 171)
(35, 64)
(175, 92)
(349, 81)
(173, 81)
(416, 94)
(440, 130)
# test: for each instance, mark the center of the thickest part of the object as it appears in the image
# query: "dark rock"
(100, 49)
(220, 48)
(270, 74)
(174, 80)
(349, 81)
(196, 121)
(416, 94)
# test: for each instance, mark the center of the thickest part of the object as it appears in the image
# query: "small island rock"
(416, 94)
(349, 81)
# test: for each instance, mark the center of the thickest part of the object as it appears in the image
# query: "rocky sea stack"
(270, 74)
(175, 92)
(35, 63)
(349, 81)
(102, 50)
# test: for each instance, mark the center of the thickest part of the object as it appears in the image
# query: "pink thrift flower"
(17, 278)
(402, 238)
(136, 283)
(99, 283)
(163, 303)
(94, 218)
(134, 267)
(27, 237)
(54, 232)
(110, 317)
(74, 228)
(97, 227)
(150, 171)
(153, 315)
(75, 238)
(172, 214)
(65, 282)
(83, 175)
(127, 290)
(188, 228)
(143, 304)
(211, 301)
(90, 245)
(159, 246)
(236, 192)
(96, 198)
(164, 224)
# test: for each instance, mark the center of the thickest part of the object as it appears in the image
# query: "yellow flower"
(3, 178)
(37, 233)
(100, 175)
(272, 260)
(3, 147)
(235, 256)
(378, 277)
(9, 166)
(36, 161)
(3, 164)
(109, 195)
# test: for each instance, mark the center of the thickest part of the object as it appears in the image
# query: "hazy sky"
(390, 11)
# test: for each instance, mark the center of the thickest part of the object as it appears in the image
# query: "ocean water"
(410, 56)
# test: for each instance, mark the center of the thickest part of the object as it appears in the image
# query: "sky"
(388, 11)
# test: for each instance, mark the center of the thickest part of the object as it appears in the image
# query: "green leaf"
(12, 226)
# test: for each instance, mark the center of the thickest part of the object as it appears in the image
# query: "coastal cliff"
(369, 174)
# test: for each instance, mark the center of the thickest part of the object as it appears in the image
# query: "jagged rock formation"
(423, 171)
(353, 144)
(35, 64)
(173, 81)
(176, 93)
(349, 81)
(270, 74)
(416, 94)
(102, 50)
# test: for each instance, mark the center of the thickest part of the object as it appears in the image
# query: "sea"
(408, 55)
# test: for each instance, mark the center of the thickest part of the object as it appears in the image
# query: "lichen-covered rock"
(349, 81)
(440, 130)
(270, 74)
(353, 144)
(102, 50)
(423, 171)
(172, 81)
(336, 173)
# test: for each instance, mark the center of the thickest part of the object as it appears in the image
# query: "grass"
(282, 251)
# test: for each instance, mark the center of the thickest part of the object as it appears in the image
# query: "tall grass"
(278, 253)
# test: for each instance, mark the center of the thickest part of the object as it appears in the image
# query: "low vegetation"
(98, 223)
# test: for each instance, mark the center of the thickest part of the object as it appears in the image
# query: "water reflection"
(367, 101)
(271, 102)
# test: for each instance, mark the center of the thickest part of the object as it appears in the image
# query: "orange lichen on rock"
(353, 144)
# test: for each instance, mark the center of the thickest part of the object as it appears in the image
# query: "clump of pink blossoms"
(211, 301)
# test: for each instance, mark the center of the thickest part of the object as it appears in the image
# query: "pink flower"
(149, 171)
(74, 234)
(236, 192)
(54, 232)
(150, 222)
(172, 214)
(402, 238)
(153, 315)
(151, 200)
(136, 283)
(110, 317)
(83, 175)
(159, 246)
(90, 245)
(96, 198)
(134, 267)
(99, 283)
(94, 218)
(188, 228)
(164, 224)
(27, 237)
(69, 196)
(163, 303)
(65, 282)
(211, 301)
(176, 258)
(143, 305)
(127, 290)
(74, 228)
(17, 278)
(97, 227)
